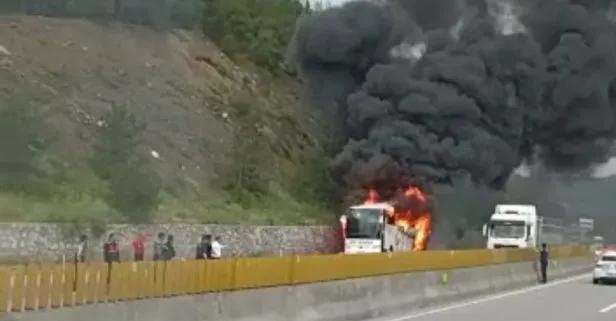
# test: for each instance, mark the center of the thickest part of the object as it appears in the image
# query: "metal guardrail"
(27, 287)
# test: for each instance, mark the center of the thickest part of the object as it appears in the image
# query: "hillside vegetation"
(141, 111)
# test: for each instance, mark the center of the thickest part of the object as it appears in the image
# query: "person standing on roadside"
(111, 249)
(82, 247)
(208, 246)
(159, 246)
(169, 251)
(200, 249)
(216, 248)
(543, 262)
(80, 257)
(139, 247)
(111, 253)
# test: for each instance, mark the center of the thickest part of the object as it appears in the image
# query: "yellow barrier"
(46, 286)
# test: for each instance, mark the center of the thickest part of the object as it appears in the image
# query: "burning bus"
(375, 226)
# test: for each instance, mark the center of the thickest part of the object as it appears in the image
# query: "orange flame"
(423, 225)
(372, 197)
(420, 221)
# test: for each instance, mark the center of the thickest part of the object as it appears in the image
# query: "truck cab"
(512, 226)
(368, 228)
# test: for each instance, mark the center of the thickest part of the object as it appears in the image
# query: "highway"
(572, 299)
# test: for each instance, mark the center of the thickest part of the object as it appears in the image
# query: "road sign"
(587, 223)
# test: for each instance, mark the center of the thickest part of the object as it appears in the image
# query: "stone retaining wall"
(44, 242)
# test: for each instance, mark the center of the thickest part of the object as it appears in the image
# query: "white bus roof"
(375, 206)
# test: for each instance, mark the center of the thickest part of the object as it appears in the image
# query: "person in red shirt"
(139, 247)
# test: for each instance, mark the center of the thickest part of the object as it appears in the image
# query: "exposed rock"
(4, 52)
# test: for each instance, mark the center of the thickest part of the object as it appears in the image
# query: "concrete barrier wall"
(343, 300)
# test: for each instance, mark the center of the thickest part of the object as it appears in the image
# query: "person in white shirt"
(217, 248)
(82, 247)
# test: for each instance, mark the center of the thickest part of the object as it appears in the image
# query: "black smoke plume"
(446, 91)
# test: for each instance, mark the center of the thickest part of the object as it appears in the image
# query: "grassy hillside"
(135, 115)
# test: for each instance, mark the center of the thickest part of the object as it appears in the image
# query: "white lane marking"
(608, 308)
(490, 298)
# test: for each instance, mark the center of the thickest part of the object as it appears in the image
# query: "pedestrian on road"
(543, 262)
(139, 247)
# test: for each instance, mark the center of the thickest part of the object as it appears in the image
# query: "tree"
(117, 138)
(260, 29)
(312, 180)
(133, 186)
(134, 191)
(24, 137)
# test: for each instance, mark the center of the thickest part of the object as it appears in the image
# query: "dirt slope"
(180, 85)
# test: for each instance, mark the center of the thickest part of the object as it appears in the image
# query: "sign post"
(586, 226)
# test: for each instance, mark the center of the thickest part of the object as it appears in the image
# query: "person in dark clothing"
(169, 251)
(111, 253)
(208, 246)
(200, 249)
(543, 262)
(111, 250)
(159, 246)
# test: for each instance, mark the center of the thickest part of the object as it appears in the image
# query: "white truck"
(368, 228)
(513, 226)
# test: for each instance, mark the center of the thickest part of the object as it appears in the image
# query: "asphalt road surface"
(573, 299)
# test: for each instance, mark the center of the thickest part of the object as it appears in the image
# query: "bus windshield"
(364, 223)
(508, 229)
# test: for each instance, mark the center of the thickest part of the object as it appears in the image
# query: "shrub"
(133, 187)
(260, 29)
(24, 137)
(245, 176)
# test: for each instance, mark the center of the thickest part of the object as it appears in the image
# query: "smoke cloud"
(460, 93)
